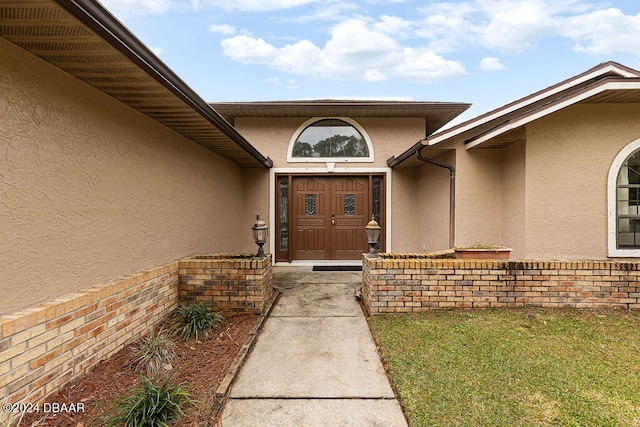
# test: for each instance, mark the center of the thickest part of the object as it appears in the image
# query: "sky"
(483, 52)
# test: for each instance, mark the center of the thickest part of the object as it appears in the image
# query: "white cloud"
(604, 32)
(248, 49)
(139, 6)
(256, 5)
(161, 6)
(224, 29)
(354, 52)
(491, 64)
(510, 26)
(426, 67)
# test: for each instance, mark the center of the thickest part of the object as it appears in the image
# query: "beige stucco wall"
(91, 190)
(272, 136)
(513, 190)
(256, 202)
(569, 154)
(404, 210)
(478, 195)
(433, 205)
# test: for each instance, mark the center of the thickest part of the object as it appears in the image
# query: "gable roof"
(82, 38)
(605, 83)
(437, 114)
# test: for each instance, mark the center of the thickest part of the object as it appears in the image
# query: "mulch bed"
(202, 365)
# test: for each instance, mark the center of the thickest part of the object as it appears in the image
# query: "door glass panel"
(377, 186)
(284, 212)
(349, 204)
(310, 207)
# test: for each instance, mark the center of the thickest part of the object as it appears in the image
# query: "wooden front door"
(329, 217)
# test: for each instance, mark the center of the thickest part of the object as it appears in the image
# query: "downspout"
(452, 192)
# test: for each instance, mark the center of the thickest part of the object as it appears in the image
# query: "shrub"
(196, 319)
(150, 404)
(154, 352)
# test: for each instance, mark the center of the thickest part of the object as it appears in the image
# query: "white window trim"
(324, 172)
(612, 191)
(306, 124)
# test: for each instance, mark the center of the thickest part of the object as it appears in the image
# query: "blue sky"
(485, 52)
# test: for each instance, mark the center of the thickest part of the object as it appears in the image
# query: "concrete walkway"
(314, 363)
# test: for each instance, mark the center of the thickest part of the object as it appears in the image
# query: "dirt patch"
(202, 365)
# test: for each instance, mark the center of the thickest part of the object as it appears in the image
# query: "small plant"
(196, 319)
(150, 404)
(477, 245)
(154, 352)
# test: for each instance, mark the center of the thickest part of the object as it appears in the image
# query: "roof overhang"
(85, 40)
(436, 114)
(603, 91)
(559, 90)
(606, 83)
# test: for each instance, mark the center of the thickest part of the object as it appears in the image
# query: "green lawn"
(528, 367)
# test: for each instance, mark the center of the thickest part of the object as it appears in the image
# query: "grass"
(528, 367)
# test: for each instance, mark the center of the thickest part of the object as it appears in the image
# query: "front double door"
(329, 217)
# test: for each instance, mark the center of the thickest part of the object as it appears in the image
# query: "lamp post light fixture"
(260, 232)
(373, 236)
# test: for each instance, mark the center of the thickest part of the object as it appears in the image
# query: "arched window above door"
(330, 140)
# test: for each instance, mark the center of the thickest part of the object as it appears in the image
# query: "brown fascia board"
(395, 161)
(457, 129)
(107, 26)
(552, 102)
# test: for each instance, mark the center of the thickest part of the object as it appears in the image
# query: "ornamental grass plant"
(151, 404)
(196, 320)
(154, 353)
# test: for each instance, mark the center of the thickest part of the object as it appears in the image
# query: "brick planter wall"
(44, 347)
(232, 283)
(404, 283)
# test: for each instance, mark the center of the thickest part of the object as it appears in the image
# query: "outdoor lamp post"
(373, 235)
(260, 232)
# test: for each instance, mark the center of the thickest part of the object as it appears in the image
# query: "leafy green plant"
(154, 352)
(150, 404)
(196, 319)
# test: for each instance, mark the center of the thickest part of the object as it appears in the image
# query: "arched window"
(330, 140)
(624, 202)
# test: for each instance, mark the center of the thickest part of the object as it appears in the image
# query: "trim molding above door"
(281, 180)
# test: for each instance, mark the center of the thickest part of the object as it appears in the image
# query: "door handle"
(333, 219)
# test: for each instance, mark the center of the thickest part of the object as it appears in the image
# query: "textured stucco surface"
(433, 205)
(91, 190)
(513, 190)
(478, 196)
(569, 154)
(389, 137)
(404, 210)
